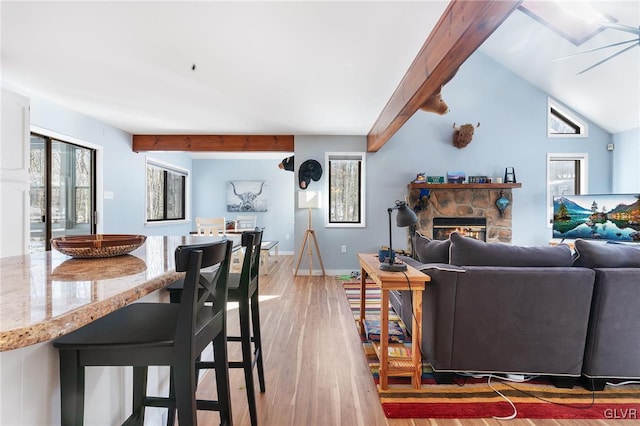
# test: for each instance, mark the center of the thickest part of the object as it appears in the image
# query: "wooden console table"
(412, 280)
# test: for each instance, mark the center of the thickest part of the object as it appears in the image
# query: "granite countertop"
(46, 295)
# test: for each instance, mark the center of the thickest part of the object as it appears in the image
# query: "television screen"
(612, 217)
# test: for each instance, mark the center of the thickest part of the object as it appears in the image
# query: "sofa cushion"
(466, 251)
(431, 251)
(592, 254)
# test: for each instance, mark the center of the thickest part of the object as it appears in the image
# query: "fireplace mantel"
(464, 185)
(463, 200)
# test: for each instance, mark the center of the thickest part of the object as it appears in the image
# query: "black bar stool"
(144, 334)
(243, 288)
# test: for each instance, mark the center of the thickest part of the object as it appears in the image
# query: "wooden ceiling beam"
(213, 143)
(462, 28)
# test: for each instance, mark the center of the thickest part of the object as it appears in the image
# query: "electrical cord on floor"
(628, 382)
(577, 407)
(515, 410)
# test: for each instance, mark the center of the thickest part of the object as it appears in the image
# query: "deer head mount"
(463, 135)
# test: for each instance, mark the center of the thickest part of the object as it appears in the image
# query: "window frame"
(572, 120)
(583, 177)
(167, 167)
(332, 156)
(98, 153)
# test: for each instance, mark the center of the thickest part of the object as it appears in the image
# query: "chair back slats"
(198, 287)
(251, 241)
(210, 226)
(246, 222)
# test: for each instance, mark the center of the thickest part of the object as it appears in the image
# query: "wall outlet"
(286, 237)
(344, 248)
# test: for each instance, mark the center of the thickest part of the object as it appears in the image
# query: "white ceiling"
(265, 67)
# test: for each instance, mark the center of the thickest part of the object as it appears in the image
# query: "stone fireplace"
(475, 202)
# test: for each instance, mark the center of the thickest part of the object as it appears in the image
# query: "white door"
(14, 175)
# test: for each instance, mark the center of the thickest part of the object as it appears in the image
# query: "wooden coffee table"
(412, 280)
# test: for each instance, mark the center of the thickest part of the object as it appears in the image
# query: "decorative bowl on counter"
(97, 245)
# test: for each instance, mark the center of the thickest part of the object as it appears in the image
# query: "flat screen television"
(610, 217)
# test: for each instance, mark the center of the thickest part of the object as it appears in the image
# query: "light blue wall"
(209, 194)
(330, 240)
(512, 133)
(626, 154)
(124, 170)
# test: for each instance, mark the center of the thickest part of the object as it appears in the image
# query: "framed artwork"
(247, 195)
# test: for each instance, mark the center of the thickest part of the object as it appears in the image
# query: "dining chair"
(246, 222)
(210, 225)
(146, 334)
(243, 288)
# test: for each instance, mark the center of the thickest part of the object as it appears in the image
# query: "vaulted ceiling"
(278, 68)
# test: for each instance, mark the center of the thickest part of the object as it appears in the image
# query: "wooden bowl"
(98, 268)
(98, 245)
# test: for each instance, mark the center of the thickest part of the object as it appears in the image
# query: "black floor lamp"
(404, 217)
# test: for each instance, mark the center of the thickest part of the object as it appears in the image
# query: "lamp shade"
(309, 199)
(405, 216)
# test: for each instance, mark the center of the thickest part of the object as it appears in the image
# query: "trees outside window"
(346, 176)
(166, 192)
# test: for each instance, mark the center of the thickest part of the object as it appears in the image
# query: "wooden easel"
(310, 233)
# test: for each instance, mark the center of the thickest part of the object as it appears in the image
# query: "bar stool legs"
(255, 318)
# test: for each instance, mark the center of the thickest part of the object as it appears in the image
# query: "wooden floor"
(315, 369)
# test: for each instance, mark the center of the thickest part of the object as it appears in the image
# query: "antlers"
(458, 128)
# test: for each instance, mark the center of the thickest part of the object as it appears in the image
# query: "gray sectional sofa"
(613, 337)
(498, 308)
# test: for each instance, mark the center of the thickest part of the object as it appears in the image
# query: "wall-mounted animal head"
(436, 104)
(463, 135)
(309, 170)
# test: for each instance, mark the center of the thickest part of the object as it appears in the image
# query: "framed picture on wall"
(247, 195)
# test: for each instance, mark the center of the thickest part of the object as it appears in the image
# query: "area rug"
(483, 397)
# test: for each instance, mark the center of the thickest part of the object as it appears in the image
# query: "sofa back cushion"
(592, 254)
(431, 251)
(466, 251)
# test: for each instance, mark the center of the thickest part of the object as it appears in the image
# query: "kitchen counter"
(46, 295)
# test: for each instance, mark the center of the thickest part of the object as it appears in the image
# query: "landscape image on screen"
(613, 217)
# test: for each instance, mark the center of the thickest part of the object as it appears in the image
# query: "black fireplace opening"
(474, 227)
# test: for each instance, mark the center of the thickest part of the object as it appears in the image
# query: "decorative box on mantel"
(471, 200)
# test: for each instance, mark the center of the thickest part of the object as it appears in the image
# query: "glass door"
(62, 191)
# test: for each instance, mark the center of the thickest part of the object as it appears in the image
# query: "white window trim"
(363, 159)
(99, 167)
(582, 124)
(187, 214)
(584, 177)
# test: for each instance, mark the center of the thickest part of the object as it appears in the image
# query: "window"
(346, 171)
(166, 192)
(566, 175)
(62, 194)
(561, 123)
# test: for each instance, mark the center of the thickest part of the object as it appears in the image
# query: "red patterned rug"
(475, 397)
